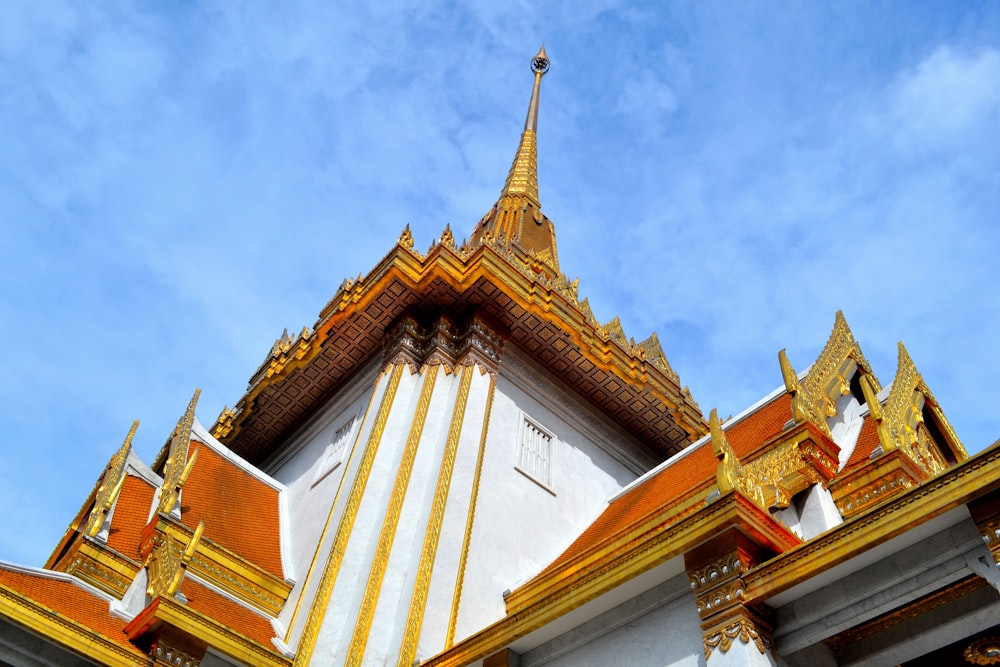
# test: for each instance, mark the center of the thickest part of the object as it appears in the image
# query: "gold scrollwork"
(168, 562)
(111, 485)
(901, 421)
(743, 630)
(178, 465)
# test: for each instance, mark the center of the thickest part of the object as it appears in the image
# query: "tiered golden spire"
(516, 219)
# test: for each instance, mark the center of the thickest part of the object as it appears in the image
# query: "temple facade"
(458, 464)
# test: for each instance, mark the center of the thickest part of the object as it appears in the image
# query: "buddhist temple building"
(458, 464)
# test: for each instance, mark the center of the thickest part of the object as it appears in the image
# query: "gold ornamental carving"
(178, 465)
(168, 561)
(111, 485)
(814, 397)
(741, 630)
(772, 478)
(985, 651)
(901, 422)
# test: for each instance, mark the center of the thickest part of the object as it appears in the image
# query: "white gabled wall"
(520, 526)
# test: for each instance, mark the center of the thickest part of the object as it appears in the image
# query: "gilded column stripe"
(362, 627)
(467, 540)
(329, 519)
(318, 610)
(421, 586)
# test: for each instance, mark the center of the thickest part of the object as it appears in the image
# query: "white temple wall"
(521, 523)
(309, 500)
(658, 628)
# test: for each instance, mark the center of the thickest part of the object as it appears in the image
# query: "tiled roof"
(867, 443)
(239, 510)
(227, 612)
(680, 480)
(758, 427)
(130, 516)
(69, 600)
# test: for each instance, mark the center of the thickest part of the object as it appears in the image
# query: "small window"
(534, 457)
(334, 454)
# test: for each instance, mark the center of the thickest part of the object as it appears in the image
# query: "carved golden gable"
(815, 396)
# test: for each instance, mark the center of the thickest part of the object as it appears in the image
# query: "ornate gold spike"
(791, 378)
(902, 424)
(167, 563)
(615, 331)
(178, 467)
(406, 238)
(111, 485)
(729, 470)
(447, 238)
(871, 397)
(224, 423)
(516, 220)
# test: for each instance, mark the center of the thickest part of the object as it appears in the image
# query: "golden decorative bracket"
(111, 485)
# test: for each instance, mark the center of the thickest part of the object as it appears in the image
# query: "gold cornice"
(166, 611)
(655, 541)
(102, 567)
(875, 482)
(970, 479)
(541, 315)
(221, 567)
(64, 632)
(915, 609)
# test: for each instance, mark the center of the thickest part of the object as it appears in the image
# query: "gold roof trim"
(178, 465)
(539, 313)
(901, 416)
(815, 396)
(111, 485)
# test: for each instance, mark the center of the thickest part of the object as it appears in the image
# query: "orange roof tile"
(228, 613)
(70, 601)
(680, 480)
(755, 429)
(668, 487)
(239, 510)
(867, 443)
(130, 516)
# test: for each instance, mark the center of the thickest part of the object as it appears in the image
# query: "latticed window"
(334, 454)
(535, 454)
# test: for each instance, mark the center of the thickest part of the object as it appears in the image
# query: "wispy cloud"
(178, 184)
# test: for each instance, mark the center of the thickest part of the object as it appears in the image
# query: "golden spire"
(523, 176)
(516, 220)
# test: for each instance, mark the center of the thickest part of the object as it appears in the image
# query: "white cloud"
(949, 100)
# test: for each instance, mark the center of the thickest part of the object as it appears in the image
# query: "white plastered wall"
(520, 526)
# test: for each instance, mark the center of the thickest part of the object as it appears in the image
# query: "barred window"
(534, 457)
(334, 454)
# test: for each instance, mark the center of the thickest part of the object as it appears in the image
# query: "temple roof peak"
(516, 218)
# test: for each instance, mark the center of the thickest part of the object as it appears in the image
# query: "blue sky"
(181, 181)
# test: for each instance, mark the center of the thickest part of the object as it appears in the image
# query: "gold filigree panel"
(787, 466)
(901, 421)
(814, 397)
(178, 465)
(111, 485)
